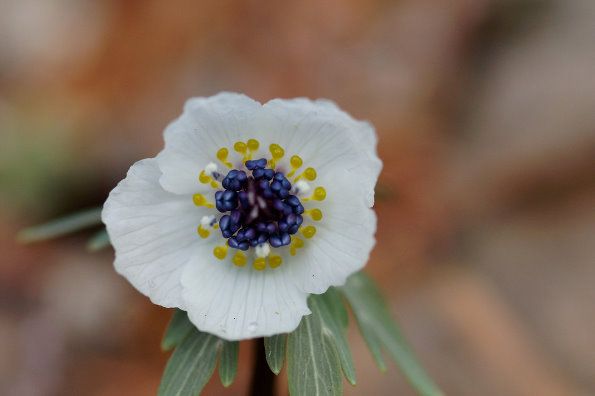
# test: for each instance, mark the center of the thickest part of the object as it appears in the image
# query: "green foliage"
(228, 364)
(191, 365)
(193, 362)
(381, 332)
(179, 327)
(274, 348)
(313, 365)
(98, 241)
(62, 226)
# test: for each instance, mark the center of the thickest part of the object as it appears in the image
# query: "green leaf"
(191, 365)
(228, 365)
(98, 241)
(62, 226)
(313, 364)
(329, 307)
(381, 332)
(274, 348)
(179, 327)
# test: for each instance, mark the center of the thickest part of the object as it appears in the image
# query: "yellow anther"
(222, 154)
(308, 231)
(220, 252)
(319, 194)
(200, 200)
(253, 144)
(204, 233)
(296, 161)
(259, 263)
(276, 151)
(296, 243)
(275, 261)
(214, 184)
(239, 259)
(204, 178)
(240, 147)
(308, 174)
(315, 214)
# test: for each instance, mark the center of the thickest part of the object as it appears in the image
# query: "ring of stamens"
(259, 206)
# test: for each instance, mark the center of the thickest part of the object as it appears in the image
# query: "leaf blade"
(313, 365)
(228, 362)
(329, 307)
(98, 241)
(178, 328)
(62, 226)
(379, 330)
(190, 366)
(274, 348)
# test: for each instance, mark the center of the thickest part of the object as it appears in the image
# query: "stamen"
(220, 252)
(259, 263)
(315, 214)
(275, 261)
(253, 144)
(204, 178)
(296, 243)
(308, 231)
(200, 200)
(319, 194)
(308, 174)
(277, 152)
(222, 155)
(296, 162)
(239, 259)
(204, 233)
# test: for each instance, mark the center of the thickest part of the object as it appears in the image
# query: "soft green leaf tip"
(62, 226)
(381, 332)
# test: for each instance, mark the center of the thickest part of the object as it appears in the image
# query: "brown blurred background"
(485, 111)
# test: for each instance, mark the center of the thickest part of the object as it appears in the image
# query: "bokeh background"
(485, 111)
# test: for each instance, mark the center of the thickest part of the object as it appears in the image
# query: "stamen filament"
(200, 200)
(222, 155)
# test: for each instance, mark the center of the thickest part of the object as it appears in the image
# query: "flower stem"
(263, 379)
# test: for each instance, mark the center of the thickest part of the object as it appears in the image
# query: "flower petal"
(192, 141)
(342, 243)
(238, 303)
(327, 139)
(153, 233)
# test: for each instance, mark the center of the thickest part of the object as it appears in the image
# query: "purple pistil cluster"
(260, 205)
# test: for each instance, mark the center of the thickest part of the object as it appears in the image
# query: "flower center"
(260, 206)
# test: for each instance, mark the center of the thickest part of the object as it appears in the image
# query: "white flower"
(307, 228)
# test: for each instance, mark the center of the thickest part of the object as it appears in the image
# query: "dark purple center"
(258, 207)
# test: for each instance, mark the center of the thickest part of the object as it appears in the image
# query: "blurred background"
(485, 111)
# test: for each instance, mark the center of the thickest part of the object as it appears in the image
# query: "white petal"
(327, 139)
(153, 233)
(192, 141)
(342, 243)
(238, 303)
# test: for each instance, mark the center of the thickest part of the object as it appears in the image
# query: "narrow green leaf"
(62, 226)
(274, 348)
(98, 241)
(228, 363)
(191, 365)
(329, 307)
(179, 327)
(313, 365)
(381, 332)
